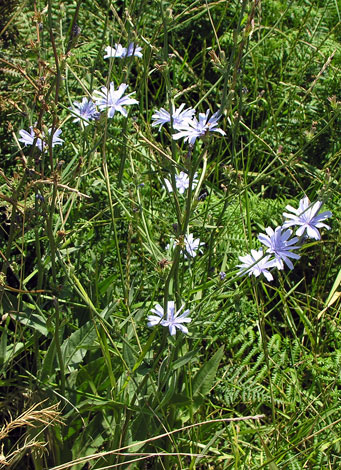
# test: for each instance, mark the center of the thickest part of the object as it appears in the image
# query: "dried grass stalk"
(33, 417)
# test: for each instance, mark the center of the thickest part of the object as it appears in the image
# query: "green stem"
(113, 218)
(57, 84)
(58, 348)
(52, 243)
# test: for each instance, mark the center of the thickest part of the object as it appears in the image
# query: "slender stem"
(58, 347)
(71, 31)
(57, 84)
(113, 215)
(123, 155)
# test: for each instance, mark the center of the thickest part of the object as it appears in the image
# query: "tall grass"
(85, 229)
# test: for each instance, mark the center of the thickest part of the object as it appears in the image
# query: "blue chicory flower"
(182, 182)
(172, 319)
(84, 111)
(307, 218)
(28, 138)
(179, 117)
(278, 244)
(256, 263)
(120, 52)
(191, 129)
(113, 100)
(191, 246)
(134, 50)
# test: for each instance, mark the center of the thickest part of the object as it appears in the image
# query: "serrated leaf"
(75, 347)
(204, 379)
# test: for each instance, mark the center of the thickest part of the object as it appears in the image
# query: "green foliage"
(85, 228)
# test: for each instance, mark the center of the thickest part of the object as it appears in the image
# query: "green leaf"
(184, 359)
(49, 364)
(104, 285)
(88, 440)
(13, 350)
(33, 320)
(128, 355)
(170, 390)
(93, 376)
(204, 379)
(180, 400)
(75, 347)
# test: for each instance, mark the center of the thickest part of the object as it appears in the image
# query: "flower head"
(28, 138)
(192, 245)
(120, 52)
(173, 319)
(56, 140)
(256, 263)
(307, 218)
(279, 245)
(113, 100)
(191, 129)
(182, 182)
(134, 50)
(179, 116)
(84, 111)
